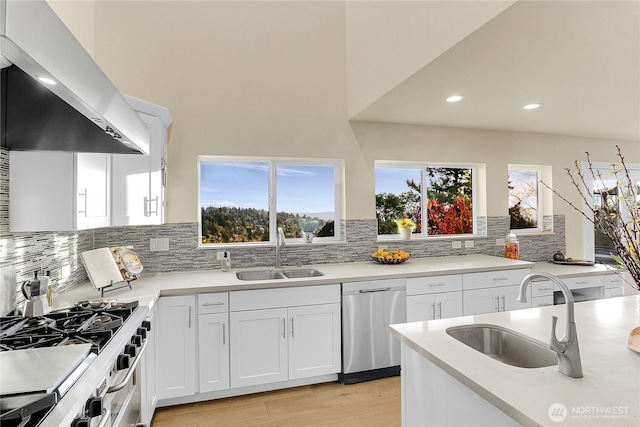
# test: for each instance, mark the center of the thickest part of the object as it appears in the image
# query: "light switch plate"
(456, 244)
(468, 243)
(161, 244)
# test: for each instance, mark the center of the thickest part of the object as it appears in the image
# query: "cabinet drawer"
(613, 281)
(614, 292)
(542, 301)
(213, 303)
(259, 299)
(491, 279)
(584, 282)
(434, 284)
(542, 288)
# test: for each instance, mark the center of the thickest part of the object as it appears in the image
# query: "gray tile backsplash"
(57, 251)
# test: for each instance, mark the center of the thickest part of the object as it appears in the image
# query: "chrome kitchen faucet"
(567, 348)
(279, 246)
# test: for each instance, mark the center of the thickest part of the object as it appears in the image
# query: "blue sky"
(395, 180)
(245, 184)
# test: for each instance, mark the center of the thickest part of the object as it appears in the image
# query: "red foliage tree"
(450, 218)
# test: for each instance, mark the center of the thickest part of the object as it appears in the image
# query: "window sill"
(432, 238)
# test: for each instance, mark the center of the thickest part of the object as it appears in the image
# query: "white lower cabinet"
(259, 347)
(493, 291)
(489, 300)
(437, 297)
(176, 347)
(292, 333)
(213, 351)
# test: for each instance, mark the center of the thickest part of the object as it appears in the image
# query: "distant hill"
(232, 225)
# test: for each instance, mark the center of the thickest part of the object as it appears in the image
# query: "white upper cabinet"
(58, 191)
(63, 191)
(138, 182)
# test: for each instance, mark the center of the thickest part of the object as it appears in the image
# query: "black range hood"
(78, 110)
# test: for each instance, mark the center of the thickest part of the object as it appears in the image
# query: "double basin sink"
(277, 274)
(504, 345)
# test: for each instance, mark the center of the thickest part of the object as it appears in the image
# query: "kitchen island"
(489, 392)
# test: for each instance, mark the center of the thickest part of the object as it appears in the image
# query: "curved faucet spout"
(279, 246)
(566, 348)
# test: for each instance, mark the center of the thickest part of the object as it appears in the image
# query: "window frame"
(273, 163)
(423, 166)
(538, 169)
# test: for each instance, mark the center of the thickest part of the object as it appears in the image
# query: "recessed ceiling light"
(455, 98)
(47, 80)
(532, 106)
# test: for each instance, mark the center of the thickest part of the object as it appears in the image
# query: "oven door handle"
(132, 370)
(106, 417)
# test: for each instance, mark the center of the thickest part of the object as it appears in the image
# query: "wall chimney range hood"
(53, 95)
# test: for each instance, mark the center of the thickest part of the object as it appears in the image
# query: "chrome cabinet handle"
(85, 202)
(224, 334)
(497, 303)
(211, 304)
(500, 279)
(366, 291)
(433, 311)
(436, 285)
(292, 335)
(503, 303)
(284, 328)
(439, 310)
(189, 317)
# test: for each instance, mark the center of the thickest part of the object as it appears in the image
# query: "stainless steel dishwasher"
(368, 349)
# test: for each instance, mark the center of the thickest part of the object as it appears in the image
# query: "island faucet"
(567, 348)
(279, 246)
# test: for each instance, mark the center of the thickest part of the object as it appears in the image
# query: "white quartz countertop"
(607, 395)
(151, 286)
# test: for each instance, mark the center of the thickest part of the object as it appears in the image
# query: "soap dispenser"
(226, 262)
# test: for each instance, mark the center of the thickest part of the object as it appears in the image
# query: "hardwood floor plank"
(368, 404)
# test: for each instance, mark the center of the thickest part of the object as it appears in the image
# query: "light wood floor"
(369, 404)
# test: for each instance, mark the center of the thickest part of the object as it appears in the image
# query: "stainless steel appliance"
(7, 290)
(35, 294)
(93, 385)
(368, 349)
(54, 95)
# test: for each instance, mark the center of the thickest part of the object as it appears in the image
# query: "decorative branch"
(624, 234)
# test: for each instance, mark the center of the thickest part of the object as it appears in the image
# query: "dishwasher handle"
(367, 291)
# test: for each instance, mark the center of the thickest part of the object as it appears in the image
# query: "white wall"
(270, 79)
(388, 41)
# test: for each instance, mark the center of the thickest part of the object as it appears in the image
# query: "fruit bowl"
(385, 256)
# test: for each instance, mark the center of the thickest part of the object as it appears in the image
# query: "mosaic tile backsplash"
(59, 251)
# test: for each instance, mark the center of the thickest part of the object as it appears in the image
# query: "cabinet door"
(258, 347)
(93, 188)
(213, 351)
(478, 301)
(509, 298)
(448, 304)
(149, 394)
(421, 307)
(138, 181)
(175, 347)
(314, 340)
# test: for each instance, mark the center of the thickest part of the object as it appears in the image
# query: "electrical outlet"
(499, 242)
(219, 255)
(468, 243)
(161, 244)
(65, 271)
(456, 244)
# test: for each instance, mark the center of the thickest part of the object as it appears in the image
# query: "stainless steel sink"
(302, 272)
(260, 275)
(504, 345)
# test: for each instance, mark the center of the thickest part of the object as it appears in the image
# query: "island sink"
(504, 345)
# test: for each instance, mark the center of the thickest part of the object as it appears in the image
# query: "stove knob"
(130, 349)
(142, 332)
(81, 422)
(136, 340)
(146, 324)
(94, 407)
(122, 362)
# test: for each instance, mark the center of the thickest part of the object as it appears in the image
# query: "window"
(608, 192)
(438, 199)
(523, 199)
(244, 201)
